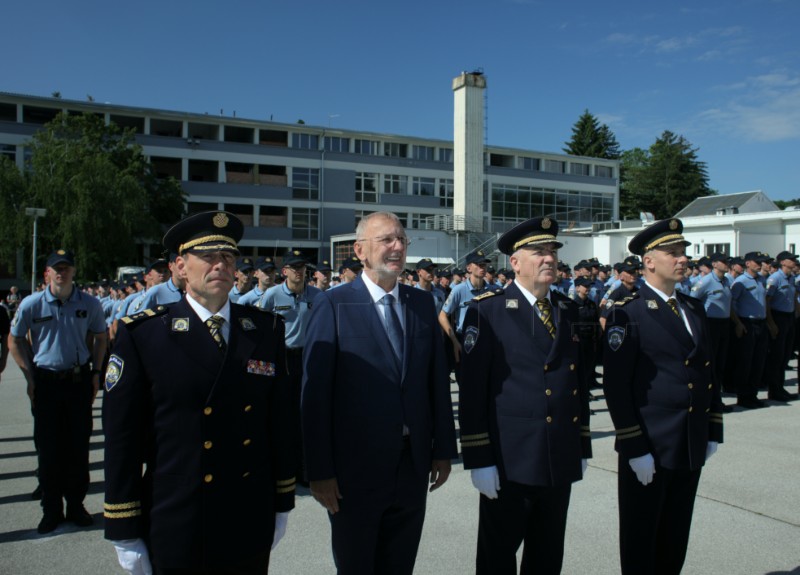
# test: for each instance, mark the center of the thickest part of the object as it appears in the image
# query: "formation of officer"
(524, 412)
(199, 454)
(377, 415)
(264, 272)
(58, 340)
(664, 401)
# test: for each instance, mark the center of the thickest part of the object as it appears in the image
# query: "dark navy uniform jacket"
(211, 429)
(658, 381)
(520, 404)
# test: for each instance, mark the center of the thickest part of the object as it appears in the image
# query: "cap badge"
(220, 220)
(479, 252)
(673, 224)
(296, 253)
(61, 252)
(546, 223)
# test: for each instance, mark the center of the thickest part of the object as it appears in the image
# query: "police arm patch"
(114, 371)
(616, 335)
(470, 338)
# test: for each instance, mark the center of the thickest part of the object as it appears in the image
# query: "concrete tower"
(468, 160)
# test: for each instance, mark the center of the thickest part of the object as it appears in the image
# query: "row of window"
(517, 203)
(368, 184)
(410, 221)
(373, 148)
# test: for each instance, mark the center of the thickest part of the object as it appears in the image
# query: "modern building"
(295, 186)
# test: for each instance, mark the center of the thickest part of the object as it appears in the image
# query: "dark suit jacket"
(214, 432)
(521, 406)
(658, 381)
(356, 401)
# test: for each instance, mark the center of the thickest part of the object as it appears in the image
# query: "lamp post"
(36, 213)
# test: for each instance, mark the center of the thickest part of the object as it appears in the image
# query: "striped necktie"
(214, 324)
(673, 303)
(546, 315)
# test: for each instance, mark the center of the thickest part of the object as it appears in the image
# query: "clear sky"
(725, 74)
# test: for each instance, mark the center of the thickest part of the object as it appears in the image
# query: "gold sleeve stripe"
(474, 437)
(121, 506)
(285, 489)
(628, 429)
(630, 435)
(475, 443)
(285, 482)
(121, 514)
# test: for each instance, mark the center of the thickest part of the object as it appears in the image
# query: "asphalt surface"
(746, 520)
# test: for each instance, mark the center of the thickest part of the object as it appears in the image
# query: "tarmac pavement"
(746, 519)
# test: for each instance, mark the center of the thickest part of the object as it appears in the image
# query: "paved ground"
(746, 522)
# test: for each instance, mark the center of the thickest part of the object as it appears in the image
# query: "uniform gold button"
(572, 367)
(545, 367)
(248, 407)
(690, 409)
(708, 363)
(207, 444)
(574, 392)
(246, 442)
(691, 386)
(549, 419)
(707, 410)
(245, 474)
(208, 478)
(686, 362)
(548, 392)
(575, 419)
(207, 411)
(709, 386)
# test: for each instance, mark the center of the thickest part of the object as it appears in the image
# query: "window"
(579, 169)
(418, 221)
(530, 164)
(604, 171)
(394, 184)
(423, 186)
(554, 166)
(305, 183)
(368, 147)
(446, 155)
(446, 193)
(9, 151)
(395, 150)
(423, 153)
(336, 144)
(361, 214)
(305, 141)
(721, 248)
(305, 223)
(366, 187)
(514, 203)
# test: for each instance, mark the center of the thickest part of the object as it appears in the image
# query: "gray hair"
(362, 224)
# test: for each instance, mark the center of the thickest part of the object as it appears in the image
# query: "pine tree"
(591, 139)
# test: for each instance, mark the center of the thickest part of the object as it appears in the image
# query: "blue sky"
(723, 73)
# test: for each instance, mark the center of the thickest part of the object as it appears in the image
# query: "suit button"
(574, 392)
(707, 410)
(686, 362)
(208, 478)
(548, 392)
(548, 419)
(572, 367)
(690, 409)
(546, 367)
(207, 444)
(709, 386)
(246, 442)
(691, 386)
(207, 411)
(248, 407)
(575, 419)
(245, 474)
(708, 363)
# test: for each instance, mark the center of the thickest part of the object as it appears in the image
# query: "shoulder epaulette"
(144, 314)
(488, 294)
(625, 300)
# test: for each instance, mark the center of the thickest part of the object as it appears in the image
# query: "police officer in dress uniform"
(197, 392)
(61, 364)
(523, 412)
(664, 403)
(781, 298)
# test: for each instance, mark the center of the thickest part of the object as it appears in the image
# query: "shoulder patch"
(113, 371)
(488, 294)
(130, 320)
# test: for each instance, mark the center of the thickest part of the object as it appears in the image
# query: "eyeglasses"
(388, 240)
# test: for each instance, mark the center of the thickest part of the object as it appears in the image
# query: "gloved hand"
(280, 528)
(584, 466)
(133, 557)
(486, 480)
(711, 449)
(644, 467)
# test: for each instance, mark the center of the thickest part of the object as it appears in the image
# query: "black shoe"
(751, 403)
(37, 493)
(781, 395)
(49, 523)
(79, 516)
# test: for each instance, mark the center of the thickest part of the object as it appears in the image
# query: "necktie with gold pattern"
(673, 303)
(546, 315)
(214, 324)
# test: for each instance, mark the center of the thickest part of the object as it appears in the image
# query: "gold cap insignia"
(220, 220)
(546, 224)
(673, 224)
(295, 252)
(267, 259)
(61, 252)
(479, 252)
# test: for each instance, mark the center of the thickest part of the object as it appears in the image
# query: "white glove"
(280, 528)
(644, 467)
(584, 466)
(486, 480)
(132, 556)
(711, 449)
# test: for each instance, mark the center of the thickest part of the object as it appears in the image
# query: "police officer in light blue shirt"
(265, 270)
(165, 293)
(781, 298)
(156, 274)
(348, 271)
(425, 274)
(244, 278)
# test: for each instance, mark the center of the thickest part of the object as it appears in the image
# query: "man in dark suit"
(664, 402)
(377, 413)
(198, 392)
(524, 412)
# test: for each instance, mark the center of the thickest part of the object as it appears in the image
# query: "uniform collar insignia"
(652, 304)
(512, 304)
(180, 324)
(562, 305)
(247, 323)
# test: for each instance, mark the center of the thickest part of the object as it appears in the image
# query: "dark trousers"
(587, 355)
(258, 565)
(720, 331)
(780, 350)
(751, 355)
(535, 516)
(62, 426)
(294, 364)
(655, 519)
(377, 529)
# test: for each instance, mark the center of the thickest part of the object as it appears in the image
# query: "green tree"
(99, 190)
(664, 179)
(783, 204)
(13, 197)
(592, 139)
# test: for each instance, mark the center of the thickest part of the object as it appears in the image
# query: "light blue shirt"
(125, 307)
(460, 296)
(781, 291)
(161, 294)
(295, 309)
(749, 297)
(251, 297)
(715, 295)
(438, 297)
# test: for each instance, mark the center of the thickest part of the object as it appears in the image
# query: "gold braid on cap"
(540, 239)
(663, 240)
(197, 241)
